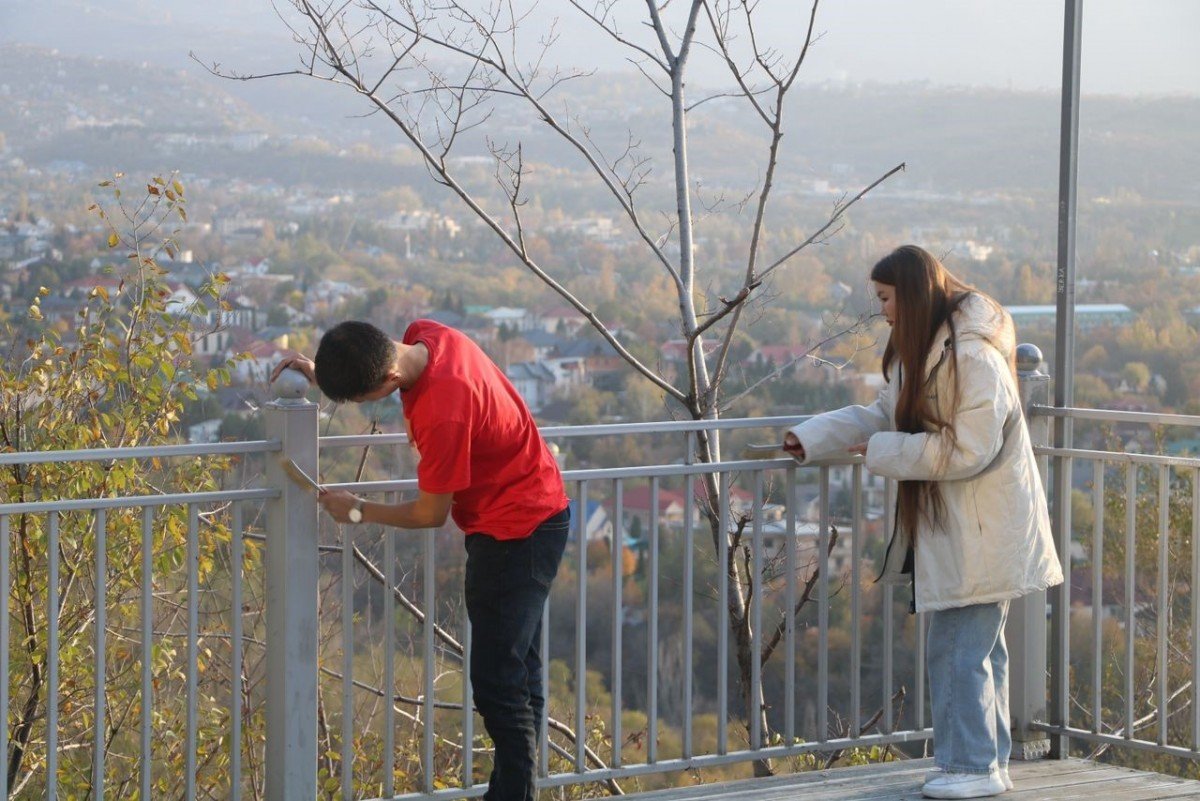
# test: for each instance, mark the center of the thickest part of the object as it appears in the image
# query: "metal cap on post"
(291, 596)
(1026, 628)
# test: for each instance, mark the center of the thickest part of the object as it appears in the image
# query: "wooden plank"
(1044, 780)
(1130, 788)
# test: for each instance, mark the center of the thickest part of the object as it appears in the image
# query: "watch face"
(355, 515)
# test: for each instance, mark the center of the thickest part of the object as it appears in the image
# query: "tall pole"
(1064, 367)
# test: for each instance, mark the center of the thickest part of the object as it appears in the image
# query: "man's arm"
(428, 510)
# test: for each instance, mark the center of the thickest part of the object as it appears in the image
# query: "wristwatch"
(355, 513)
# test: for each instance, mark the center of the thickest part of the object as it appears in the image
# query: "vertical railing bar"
(52, 659)
(236, 568)
(98, 750)
(1060, 598)
(581, 632)
(4, 635)
(347, 750)
(618, 614)
(652, 633)
(389, 664)
(146, 762)
(1097, 593)
(856, 513)
(689, 509)
(193, 644)
(822, 564)
(1164, 500)
(922, 627)
(429, 769)
(790, 560)
(1195, 588)
(723, 618)
(544, 720)
(756, 637)
(1130, 601)
(469, 711)
(889, 618)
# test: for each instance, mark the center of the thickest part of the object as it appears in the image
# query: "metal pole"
(1064, 347)
(291, 575)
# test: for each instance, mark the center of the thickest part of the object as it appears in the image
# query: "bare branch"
(781, 627)
(600, 16)
(838, 212)
(808, 354)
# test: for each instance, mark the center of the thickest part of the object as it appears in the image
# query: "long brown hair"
(926, 297)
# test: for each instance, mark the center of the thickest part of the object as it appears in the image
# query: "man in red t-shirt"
(484, 463)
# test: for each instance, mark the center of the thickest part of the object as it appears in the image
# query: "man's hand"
(338, 503)
(791, 445)
(302, 363)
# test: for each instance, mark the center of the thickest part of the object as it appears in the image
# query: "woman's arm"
(833, 433)
(979, 416)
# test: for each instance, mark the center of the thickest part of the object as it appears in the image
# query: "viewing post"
(291, 590)
(1026, 629)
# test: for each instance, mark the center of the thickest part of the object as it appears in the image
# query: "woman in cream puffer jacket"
(972, 529)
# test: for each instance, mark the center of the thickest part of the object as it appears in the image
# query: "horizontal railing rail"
(149, 452)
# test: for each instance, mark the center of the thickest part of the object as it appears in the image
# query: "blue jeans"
(968, 688)
(507, 582)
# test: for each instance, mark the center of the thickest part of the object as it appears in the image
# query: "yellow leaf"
(178, 187)
(35, 312)
(113, 240)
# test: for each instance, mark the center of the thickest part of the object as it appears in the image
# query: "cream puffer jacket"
(993, 540)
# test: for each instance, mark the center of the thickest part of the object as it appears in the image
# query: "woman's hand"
(860, 449)
(791, 445)
(338, 503)
(302, 363)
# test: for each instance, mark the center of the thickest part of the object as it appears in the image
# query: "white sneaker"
(964, 785)
(934, 773)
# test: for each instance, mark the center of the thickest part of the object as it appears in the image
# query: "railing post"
(291, 590)
(1026, 628)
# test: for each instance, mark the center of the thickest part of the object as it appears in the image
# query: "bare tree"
(439, 69)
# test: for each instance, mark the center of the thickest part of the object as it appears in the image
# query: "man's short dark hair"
(353, 359)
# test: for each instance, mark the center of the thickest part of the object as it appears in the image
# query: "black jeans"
(507, 582)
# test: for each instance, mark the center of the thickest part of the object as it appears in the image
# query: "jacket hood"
(980, 318)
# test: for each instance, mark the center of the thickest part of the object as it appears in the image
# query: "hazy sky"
(1129, 47)
(1147, 46)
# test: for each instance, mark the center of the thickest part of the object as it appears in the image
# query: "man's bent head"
(353, 360)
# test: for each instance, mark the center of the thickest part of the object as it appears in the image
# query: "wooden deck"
(1046, 780)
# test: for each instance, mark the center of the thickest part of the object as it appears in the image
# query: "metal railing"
(1125, 623)
(570, 753)
(313, 659)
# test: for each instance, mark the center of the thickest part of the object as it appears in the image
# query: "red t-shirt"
(477, 439)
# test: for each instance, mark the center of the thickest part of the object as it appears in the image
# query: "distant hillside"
(984, 141)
